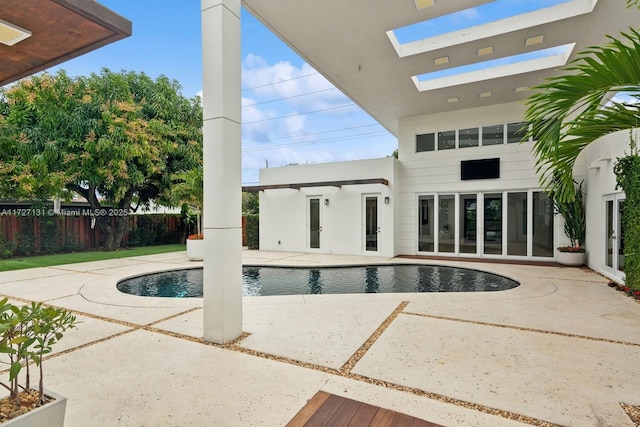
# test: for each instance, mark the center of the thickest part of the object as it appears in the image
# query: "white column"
(222, 318)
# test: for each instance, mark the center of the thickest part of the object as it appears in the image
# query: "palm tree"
(570, 111)
(188, 190)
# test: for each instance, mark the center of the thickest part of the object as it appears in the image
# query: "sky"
(290, 114)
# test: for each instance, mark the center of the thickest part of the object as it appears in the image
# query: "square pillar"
(222, 223)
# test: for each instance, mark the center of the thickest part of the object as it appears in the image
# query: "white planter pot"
(573, 259)
(50, 415)
(195, 250)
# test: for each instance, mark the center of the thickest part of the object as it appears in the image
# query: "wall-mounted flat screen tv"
(480, 169)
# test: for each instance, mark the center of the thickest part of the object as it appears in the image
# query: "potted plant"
(195, 247)
(573, 213)
(27, 334)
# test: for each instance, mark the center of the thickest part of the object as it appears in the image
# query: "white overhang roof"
(354, 44)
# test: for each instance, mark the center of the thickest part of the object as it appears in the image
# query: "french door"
(493, 224)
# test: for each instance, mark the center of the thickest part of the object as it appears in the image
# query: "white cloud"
(276, 129)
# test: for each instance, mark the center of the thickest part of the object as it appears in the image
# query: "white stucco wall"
(284, 216)
(439, 171)
(284, 212)
(600, 181)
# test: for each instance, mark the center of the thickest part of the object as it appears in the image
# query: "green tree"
(117, 139)
(250, 203)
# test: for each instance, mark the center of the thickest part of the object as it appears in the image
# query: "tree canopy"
(117, 139)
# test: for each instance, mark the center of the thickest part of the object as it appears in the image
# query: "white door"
(314, 222)
(371, 205)
(614, 247)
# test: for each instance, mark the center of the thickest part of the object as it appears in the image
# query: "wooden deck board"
(308, 410)
(329, 410)
(364, 415)
(324, 414)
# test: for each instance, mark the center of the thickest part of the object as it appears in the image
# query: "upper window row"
(472, 137)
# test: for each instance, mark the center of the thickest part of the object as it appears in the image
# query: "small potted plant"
(27, 334)
(573, 213)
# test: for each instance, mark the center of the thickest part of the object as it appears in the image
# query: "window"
(468, 138)
(447, 140)
(516, 131)
(425, 142)
(492, 135)
(471, 137)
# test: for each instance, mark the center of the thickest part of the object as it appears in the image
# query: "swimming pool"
(326, 280)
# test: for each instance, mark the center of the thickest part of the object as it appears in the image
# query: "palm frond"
(570, 111)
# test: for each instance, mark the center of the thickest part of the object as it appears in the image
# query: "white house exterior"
(504, 217)
(463, 185)
(341, 218)
(358, 45)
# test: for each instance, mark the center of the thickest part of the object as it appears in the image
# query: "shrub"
(627, 170)
(253, 231)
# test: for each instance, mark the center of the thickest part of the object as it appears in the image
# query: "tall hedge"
(253, 231)
(627, 170)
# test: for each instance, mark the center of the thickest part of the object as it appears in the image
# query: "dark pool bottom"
(325, 280)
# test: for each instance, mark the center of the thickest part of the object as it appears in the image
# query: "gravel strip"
(633, 411)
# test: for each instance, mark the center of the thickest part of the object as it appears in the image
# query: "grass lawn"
(75, 257)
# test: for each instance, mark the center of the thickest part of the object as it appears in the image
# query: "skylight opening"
(484, 14)
(496, 68)
(489, 20)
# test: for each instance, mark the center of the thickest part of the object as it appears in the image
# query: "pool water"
(325, 280)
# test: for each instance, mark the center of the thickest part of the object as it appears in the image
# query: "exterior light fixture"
(530, 41)
(521, 89)
(485, 51)
(386, 200)
(326, 202)
(485, 94)
(421, 4)
(452, 100)
(11, 34)
(441, 60)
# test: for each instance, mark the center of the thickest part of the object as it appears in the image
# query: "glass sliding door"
(371, 228)
(517, 224)
(426, 220)
(446, 223)
(542, 225)
(315, 226)
(492, 224)
(468, 223)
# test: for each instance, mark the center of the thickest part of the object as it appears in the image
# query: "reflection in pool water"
(325, 280)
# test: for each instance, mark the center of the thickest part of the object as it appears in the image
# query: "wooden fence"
(49, 234)
(28, 235)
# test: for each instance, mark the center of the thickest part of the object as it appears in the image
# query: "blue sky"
(291, 114)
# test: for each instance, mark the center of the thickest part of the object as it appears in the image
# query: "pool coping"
(104, 290)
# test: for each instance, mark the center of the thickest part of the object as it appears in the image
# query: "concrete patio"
(561, 349)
